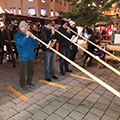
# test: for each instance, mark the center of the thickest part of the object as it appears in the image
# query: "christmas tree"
(88, 12)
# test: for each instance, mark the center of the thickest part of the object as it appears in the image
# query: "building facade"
(50, 8)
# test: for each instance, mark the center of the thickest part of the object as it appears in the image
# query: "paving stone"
(54, 117)
(39, 116)
(112, 113)
(38, 90)
(30, 94)
(56, 103)
(39, 96)
(21, 106)
(33, 108)
(101, 106)
(91, 99)
(104, 101)
(93, 86)
(87, 104)
(62, 99)
(8, 113)
(82, 109)
(68, 118)
(43, 102)
(29, 119)
(75, 102)
(16, 100)
(49, 109)
(97, 112)
(9, 119)
(5, 99)
(115, 107)
(67, 94)
(50, 97)
(7, 106)
(76, 115)
(23, 115)
(62, 112)
(91, 116)
(32, 100)
(57, 93)
(116, 101)
(105, 117)
(68, 106)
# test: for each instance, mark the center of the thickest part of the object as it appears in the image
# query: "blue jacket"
(25, 46)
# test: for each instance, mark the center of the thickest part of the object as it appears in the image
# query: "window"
(19, 11)
(52, 14)
(11, 10)
(30, 0)
(31, 11)
(14, 10)
(64, 3)
(57, 1)
(43, 11)
(43, 1)
(56, 13)
(60, 2)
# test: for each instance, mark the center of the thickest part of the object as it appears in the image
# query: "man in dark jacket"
(48, 35)
(25, 46)
(64, 46)
(92, 49)
(73, 48)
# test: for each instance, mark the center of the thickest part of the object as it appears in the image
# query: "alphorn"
(95, 45)
(83, 70)
(107, 65)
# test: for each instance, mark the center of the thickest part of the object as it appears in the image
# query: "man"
(103, 34)
(48, 35)
(73, 48)
(92, 49)
(25, 46)
(64, 47)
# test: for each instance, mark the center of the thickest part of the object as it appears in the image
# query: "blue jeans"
(63, 62)
(49, 64)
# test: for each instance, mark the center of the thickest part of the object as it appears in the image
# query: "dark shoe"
(54, 77)
(62, 73)
(32, 85)
(24, 88)
(48, 79)
(68, 70)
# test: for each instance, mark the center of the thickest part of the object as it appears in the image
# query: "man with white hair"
(25, 46)
(73, 48)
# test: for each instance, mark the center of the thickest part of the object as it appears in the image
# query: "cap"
(47, 21)
(22, 24)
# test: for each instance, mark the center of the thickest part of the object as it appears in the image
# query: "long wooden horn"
(107, 65)
(95, 45)
(83, 70)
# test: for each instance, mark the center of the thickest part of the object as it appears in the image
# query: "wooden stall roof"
(11, 17)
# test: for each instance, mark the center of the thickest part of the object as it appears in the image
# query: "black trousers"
(73, 52)
(26, 66)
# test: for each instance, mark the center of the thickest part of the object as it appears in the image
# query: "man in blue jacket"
(25, 46)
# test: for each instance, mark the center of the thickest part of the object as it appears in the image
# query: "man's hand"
(28, 33)
(68, 31)
(53, 30)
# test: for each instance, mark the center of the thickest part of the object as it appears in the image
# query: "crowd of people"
(25, 44)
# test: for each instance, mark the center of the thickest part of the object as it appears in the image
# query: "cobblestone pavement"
(81, 100)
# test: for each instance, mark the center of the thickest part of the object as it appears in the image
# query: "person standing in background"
(64, 47)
